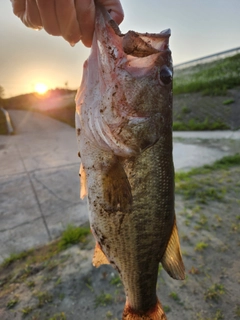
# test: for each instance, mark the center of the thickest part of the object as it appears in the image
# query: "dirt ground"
(67, 286)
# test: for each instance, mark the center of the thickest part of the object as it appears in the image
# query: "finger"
(67, 21)
(27, 11)
(18, 7)
(32, 15)
(115, 9)
(86, 18)
(49, 17)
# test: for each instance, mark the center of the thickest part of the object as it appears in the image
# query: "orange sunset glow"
(41, 88)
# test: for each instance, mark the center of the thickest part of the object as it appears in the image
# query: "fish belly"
(134, 240)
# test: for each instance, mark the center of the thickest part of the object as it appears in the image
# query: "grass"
(223, 163)
(217, 316)
(116, 281)
(200, 246)
(174, 296)
(195, 125)
(195, 185)
(44, 298)
(166, 308)
(73, 235)
(16, 257)
(58, 316)
(103, 299)
(214, 78)
(11, 303)
(228, 101)
(27, 310)
(214, 293)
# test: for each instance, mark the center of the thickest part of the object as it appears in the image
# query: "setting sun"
(41, 88)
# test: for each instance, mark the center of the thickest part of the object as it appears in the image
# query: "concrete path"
(39, 183)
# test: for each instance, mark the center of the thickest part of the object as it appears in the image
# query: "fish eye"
(165, 75)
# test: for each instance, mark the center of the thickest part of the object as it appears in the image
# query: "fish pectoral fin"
(117, 189)
(99, 257)
(172, 258)
(83, 182)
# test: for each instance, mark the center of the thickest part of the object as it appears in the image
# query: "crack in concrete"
(52, 192)
(35, 194)
(21, 224)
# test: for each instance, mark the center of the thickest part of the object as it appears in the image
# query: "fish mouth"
(138, 44)
(145, 44)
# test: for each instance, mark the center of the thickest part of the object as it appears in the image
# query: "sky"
(199, 28)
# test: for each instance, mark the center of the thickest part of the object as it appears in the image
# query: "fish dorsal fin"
(83, 182)
(99, 257)
(172, 258)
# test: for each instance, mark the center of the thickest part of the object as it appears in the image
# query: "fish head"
(124, 103)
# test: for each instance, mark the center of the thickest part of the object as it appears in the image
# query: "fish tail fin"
(155, 313)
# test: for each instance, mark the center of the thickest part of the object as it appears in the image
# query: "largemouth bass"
(124, 130)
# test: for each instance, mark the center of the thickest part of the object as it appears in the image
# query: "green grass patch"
(44, 298)
(12, 303)
(228, 101)
(213, 78)
(214, 293)
(59, 316)
(16, 257)
(195, 125)
(195, 185)
(103, 299)
(200, 246)
(73, 235)
(70, 236)
(27, 310)
(202, 190)
(217, 316)
(166, 308)
(224, 163)
(116, 281)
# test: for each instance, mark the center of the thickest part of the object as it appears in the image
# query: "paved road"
(39, 183)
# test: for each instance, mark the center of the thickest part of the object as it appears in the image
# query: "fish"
(124, 133)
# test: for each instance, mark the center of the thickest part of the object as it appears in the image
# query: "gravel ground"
(66, 286)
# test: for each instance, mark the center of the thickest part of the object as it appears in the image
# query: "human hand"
(73, 20)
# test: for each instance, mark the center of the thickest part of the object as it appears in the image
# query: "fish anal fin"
(83, 182)
(172, 258)
(155, 313)
(99, 257)
(117, 189)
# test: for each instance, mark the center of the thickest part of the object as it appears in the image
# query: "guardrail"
(208, 58)
(8, 120)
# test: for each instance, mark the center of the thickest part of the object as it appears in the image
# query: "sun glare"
(41, 88)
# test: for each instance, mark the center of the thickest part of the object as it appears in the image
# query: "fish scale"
(125, 142)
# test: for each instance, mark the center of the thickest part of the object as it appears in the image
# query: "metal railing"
(8, 121)
(209, 58)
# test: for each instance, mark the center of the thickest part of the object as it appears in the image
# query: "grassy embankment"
(206, 96)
